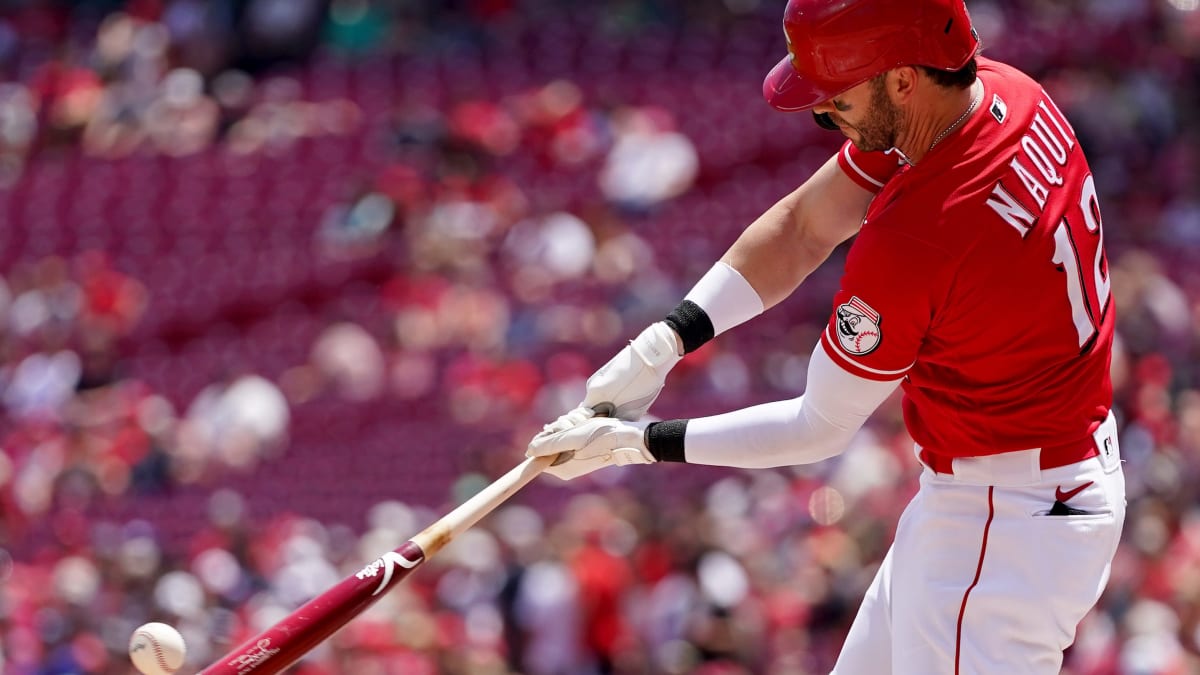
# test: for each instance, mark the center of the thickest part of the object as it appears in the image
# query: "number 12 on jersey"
(1087, 304)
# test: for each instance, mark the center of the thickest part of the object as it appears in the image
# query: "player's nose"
(824, 107)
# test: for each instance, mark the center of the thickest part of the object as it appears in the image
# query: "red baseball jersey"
(979, 277)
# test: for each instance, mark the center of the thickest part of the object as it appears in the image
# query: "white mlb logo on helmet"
(858, 327)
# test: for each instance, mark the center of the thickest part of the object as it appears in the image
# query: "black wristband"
(692, 324)
(664, 440)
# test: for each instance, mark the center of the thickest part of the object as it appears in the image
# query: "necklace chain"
(967, 113)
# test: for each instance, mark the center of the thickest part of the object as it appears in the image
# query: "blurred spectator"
(201, 34)
(356, 26)
(546, 613)
(18, 129)
(240, 420)
(233, 92)
(279, 119)
(183, 120)
(348, 357)
(280, 29)
(355, 227)
(559, 128)
(46, 300)
(650, 162)
(112, 302)
(559, 244)
(68, 93)
(41, 385)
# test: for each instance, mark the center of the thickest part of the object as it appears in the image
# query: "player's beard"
(879, 130)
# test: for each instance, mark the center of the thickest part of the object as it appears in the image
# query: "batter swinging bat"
(292, 637)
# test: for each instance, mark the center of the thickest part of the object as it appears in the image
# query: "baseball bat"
(292, 637)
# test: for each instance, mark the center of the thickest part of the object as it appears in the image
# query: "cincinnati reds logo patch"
(858, 327)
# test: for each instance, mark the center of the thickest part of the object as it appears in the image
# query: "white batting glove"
(593, 444)
(625, 386)
(632, 379)
(572, 418)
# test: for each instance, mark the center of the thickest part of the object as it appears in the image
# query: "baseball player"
(977, 283)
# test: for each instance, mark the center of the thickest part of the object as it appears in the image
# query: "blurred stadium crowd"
(284, 279)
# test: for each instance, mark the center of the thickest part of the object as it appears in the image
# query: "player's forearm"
(804, 430)
(780, 433)
(793, 237)
(771, 257)
(775, 254)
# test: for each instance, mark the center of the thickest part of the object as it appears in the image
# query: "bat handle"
(605, 409)
(433, 538)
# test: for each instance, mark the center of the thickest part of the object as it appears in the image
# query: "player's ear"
(901, 82)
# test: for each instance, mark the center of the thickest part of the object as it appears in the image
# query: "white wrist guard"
(721, 300)
(726, 297)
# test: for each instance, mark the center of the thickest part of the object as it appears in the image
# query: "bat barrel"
(284, 643)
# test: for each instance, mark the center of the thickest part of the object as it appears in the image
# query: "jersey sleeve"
(870, 170)
(886, 305)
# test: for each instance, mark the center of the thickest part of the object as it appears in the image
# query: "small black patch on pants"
(1061, 509)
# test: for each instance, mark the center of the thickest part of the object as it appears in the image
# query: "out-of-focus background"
(284, 280)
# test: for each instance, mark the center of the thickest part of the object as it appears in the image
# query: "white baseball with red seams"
(156, 649)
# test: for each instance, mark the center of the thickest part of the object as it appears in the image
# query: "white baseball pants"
(982, 579)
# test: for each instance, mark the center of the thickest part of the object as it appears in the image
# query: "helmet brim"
(786, 90)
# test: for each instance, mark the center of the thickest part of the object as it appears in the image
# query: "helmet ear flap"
(824, 121)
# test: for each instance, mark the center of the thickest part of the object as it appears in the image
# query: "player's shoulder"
(1014, 117)
(999, 168)
(1008, 97)
(1011, 93)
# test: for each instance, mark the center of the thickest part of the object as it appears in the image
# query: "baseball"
(156, 649)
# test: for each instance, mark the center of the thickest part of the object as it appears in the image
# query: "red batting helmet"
(834, 45)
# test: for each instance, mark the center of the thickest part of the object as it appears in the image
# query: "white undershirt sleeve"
(726, 297)
(818, 425)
